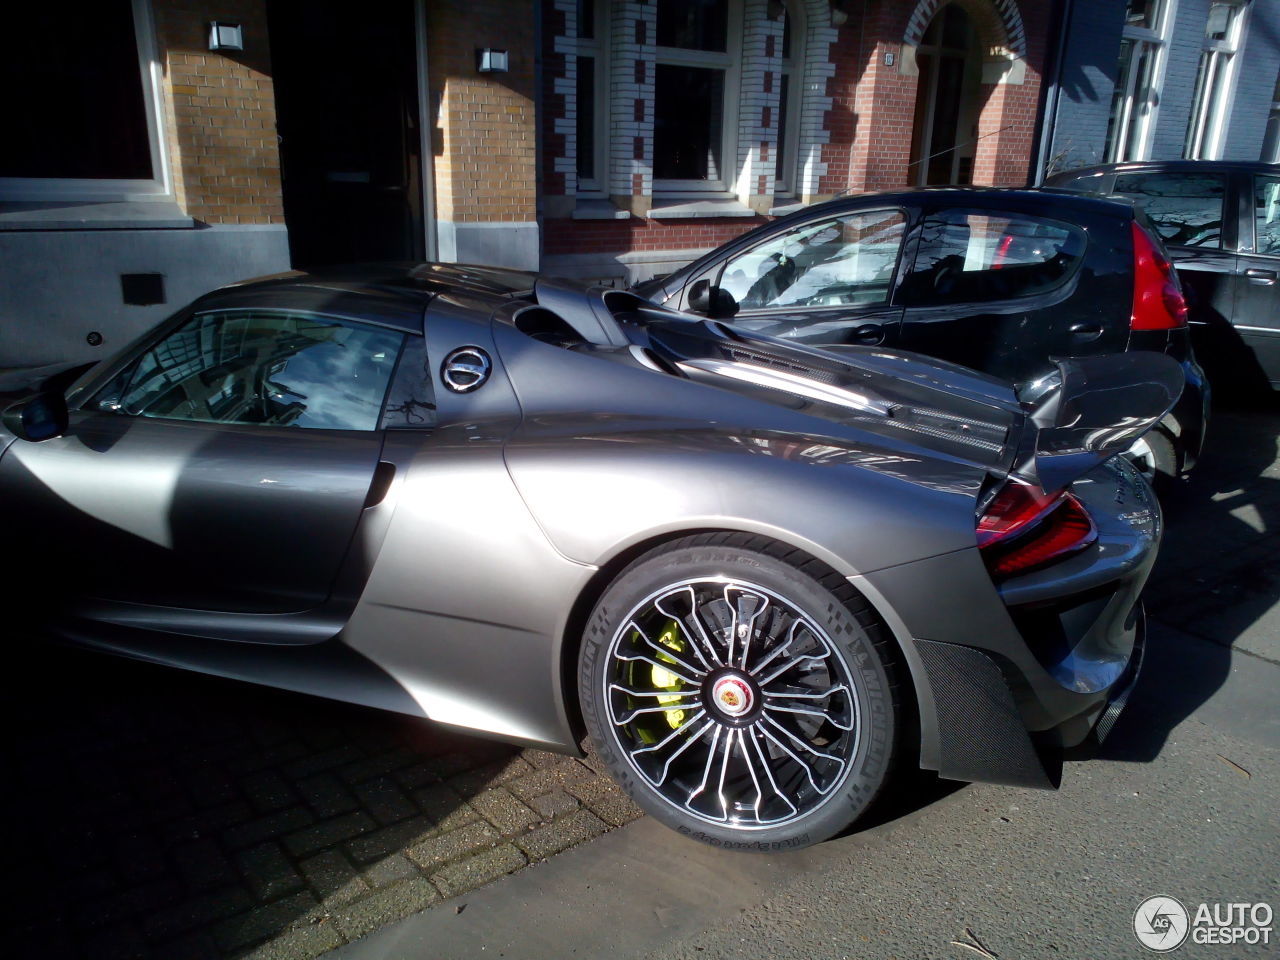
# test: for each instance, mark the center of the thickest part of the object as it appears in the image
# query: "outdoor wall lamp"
(225, 36)
(491, 61)
(838, 15)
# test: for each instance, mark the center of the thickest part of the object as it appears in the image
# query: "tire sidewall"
(869, 769)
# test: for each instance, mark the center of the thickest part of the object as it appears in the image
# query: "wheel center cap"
(732, 696)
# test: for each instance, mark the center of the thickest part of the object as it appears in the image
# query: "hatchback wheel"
(739, 693)
(1155, 458)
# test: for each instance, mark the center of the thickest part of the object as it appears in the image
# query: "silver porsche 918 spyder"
(761, 576)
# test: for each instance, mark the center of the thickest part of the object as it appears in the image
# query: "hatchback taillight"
(1023, 528)
(1158, 303)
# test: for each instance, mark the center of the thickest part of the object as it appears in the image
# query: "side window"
(261, 368)
(845, 261)
(1185, 207)
(966, 256)
(1266, 215)
(411, 401)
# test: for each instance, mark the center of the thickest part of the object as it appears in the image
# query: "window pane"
(688, 115)
(262, 369)
(1186, 208)
(693, 24)
(1266, 202)
(1119, 100)
(587, 19)
(833, 263)
(73, 103)
(411, 401)
(965, 257)
(1142, 13)
(587, 117)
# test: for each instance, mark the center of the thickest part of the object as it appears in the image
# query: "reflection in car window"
(1185, 207)
(849, 260)
(1266, 207)
(965, 256)
(260, 368)
(411, 402)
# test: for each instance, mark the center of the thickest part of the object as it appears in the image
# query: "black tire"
(791, 770)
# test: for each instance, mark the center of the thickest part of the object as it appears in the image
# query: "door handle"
(1085, 331)
(1262, 277)
(868, 333)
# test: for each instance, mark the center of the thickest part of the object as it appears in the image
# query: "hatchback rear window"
(1185, 207)
(966, 256)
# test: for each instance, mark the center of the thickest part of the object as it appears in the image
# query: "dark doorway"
(947, 107)
(346, 85)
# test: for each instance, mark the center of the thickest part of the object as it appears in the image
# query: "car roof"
(392, 294)
(1178, 166)
(978, 196)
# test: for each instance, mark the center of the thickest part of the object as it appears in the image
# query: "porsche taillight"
(1023, 528)
(1158, 303)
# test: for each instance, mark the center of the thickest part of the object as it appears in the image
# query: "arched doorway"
(948, 100)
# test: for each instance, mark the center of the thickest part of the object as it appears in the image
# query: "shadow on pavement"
(152, 813)
(1217, 579)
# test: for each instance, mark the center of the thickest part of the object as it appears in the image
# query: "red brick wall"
(221, 115)
(599, 236)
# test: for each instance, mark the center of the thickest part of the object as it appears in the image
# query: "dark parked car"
(1003, 281)
(1221, 223)
(761, 575)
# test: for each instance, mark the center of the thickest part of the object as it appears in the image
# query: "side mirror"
(712, 302)
(700, 297)
(37, 418)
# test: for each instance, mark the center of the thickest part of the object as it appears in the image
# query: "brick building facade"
(847, 117)
(613, 140)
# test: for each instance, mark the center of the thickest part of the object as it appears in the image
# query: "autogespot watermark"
(1162, 923)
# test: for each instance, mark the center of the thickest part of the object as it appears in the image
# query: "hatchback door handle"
(1086, 331)
(868, 333)
(1264, 277)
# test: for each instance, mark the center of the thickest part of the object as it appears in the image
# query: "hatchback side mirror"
(37, 418)
(711, 301)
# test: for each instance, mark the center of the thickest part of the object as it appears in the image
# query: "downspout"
(1049, 109)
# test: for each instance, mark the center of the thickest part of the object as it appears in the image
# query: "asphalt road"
(1182, 801)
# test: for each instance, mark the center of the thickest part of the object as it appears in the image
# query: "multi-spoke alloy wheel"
(736, 701)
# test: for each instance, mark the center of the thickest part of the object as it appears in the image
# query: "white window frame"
(596, 188)
(793, 68)
(160, 184)
(1215, 87)
(731, 63)
(1155, 41)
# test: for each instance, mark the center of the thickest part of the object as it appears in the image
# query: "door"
(224, 469)
(994, 292)
(346, 87)
(827, 281)
(1257, 306)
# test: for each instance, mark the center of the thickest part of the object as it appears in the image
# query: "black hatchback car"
(998, 280)
(1221, 223)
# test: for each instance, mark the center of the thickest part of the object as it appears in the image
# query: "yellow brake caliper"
(665, 679)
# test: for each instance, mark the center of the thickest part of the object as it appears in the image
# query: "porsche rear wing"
(1100, 407)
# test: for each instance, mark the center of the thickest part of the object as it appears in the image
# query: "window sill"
(693, 209)
(794, 206)
(73, 215)
(598, 210)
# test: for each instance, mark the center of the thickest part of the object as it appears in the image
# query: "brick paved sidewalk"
(154, 813)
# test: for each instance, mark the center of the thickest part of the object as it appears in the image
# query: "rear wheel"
(740, 692)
